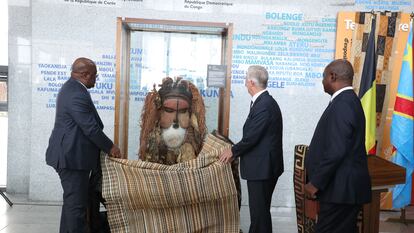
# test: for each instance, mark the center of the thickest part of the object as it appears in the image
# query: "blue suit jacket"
(260, 149)
(77, 136)
(337, 160)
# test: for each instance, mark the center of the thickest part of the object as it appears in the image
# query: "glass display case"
(149, 50)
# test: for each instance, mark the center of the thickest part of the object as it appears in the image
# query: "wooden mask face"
(176, 112)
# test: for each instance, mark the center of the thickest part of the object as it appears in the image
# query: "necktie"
(251, 104)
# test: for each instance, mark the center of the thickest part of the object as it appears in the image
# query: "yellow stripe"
(403, 115)
(408, 56)
(368, 104)
(406, 97)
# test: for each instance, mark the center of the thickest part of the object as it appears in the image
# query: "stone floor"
(36, 217)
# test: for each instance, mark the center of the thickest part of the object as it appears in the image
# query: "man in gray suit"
(75, 144)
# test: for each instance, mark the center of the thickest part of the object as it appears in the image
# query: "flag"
(367, 91)
(402, 129)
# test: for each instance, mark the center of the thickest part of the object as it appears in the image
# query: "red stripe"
(404, 106)
(373, 150)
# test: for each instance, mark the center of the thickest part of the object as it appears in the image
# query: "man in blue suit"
(75, 144)
(336, 164)
(260, 149)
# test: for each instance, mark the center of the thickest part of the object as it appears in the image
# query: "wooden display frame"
(124, 28)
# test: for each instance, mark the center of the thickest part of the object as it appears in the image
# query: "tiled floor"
(37, 217)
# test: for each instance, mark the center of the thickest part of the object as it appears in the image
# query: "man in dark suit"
(75, 145)
(336, 164)
(260, 149)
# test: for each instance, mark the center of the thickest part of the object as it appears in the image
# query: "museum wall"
(294, 40)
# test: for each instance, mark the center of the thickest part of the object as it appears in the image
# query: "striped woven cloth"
(195, 196)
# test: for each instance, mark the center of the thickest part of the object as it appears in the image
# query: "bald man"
(75, 144)
(336, 164)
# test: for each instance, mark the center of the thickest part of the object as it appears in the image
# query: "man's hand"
(310, 191)
(226, 156)
(115, 152)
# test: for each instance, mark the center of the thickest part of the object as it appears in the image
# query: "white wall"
(3, 33)
(47, 35)
(3, 116)
(20, 91)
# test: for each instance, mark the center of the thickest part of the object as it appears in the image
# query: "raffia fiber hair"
(199, 110)
(259, 75)
(150, 116)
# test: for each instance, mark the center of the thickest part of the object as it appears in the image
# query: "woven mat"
(195, 196)
(305, 224)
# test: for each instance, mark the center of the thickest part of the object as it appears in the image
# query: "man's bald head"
(82, 64)
(84, 70)
(337, 74)
(343, 70)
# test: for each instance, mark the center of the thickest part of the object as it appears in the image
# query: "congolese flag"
(367, 91)
(402, 126)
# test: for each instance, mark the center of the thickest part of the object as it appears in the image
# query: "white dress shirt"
(340, 91)
(254, 98)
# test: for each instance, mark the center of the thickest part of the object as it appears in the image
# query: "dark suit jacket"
(260, 149)
(77, 136)
(337, 160)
